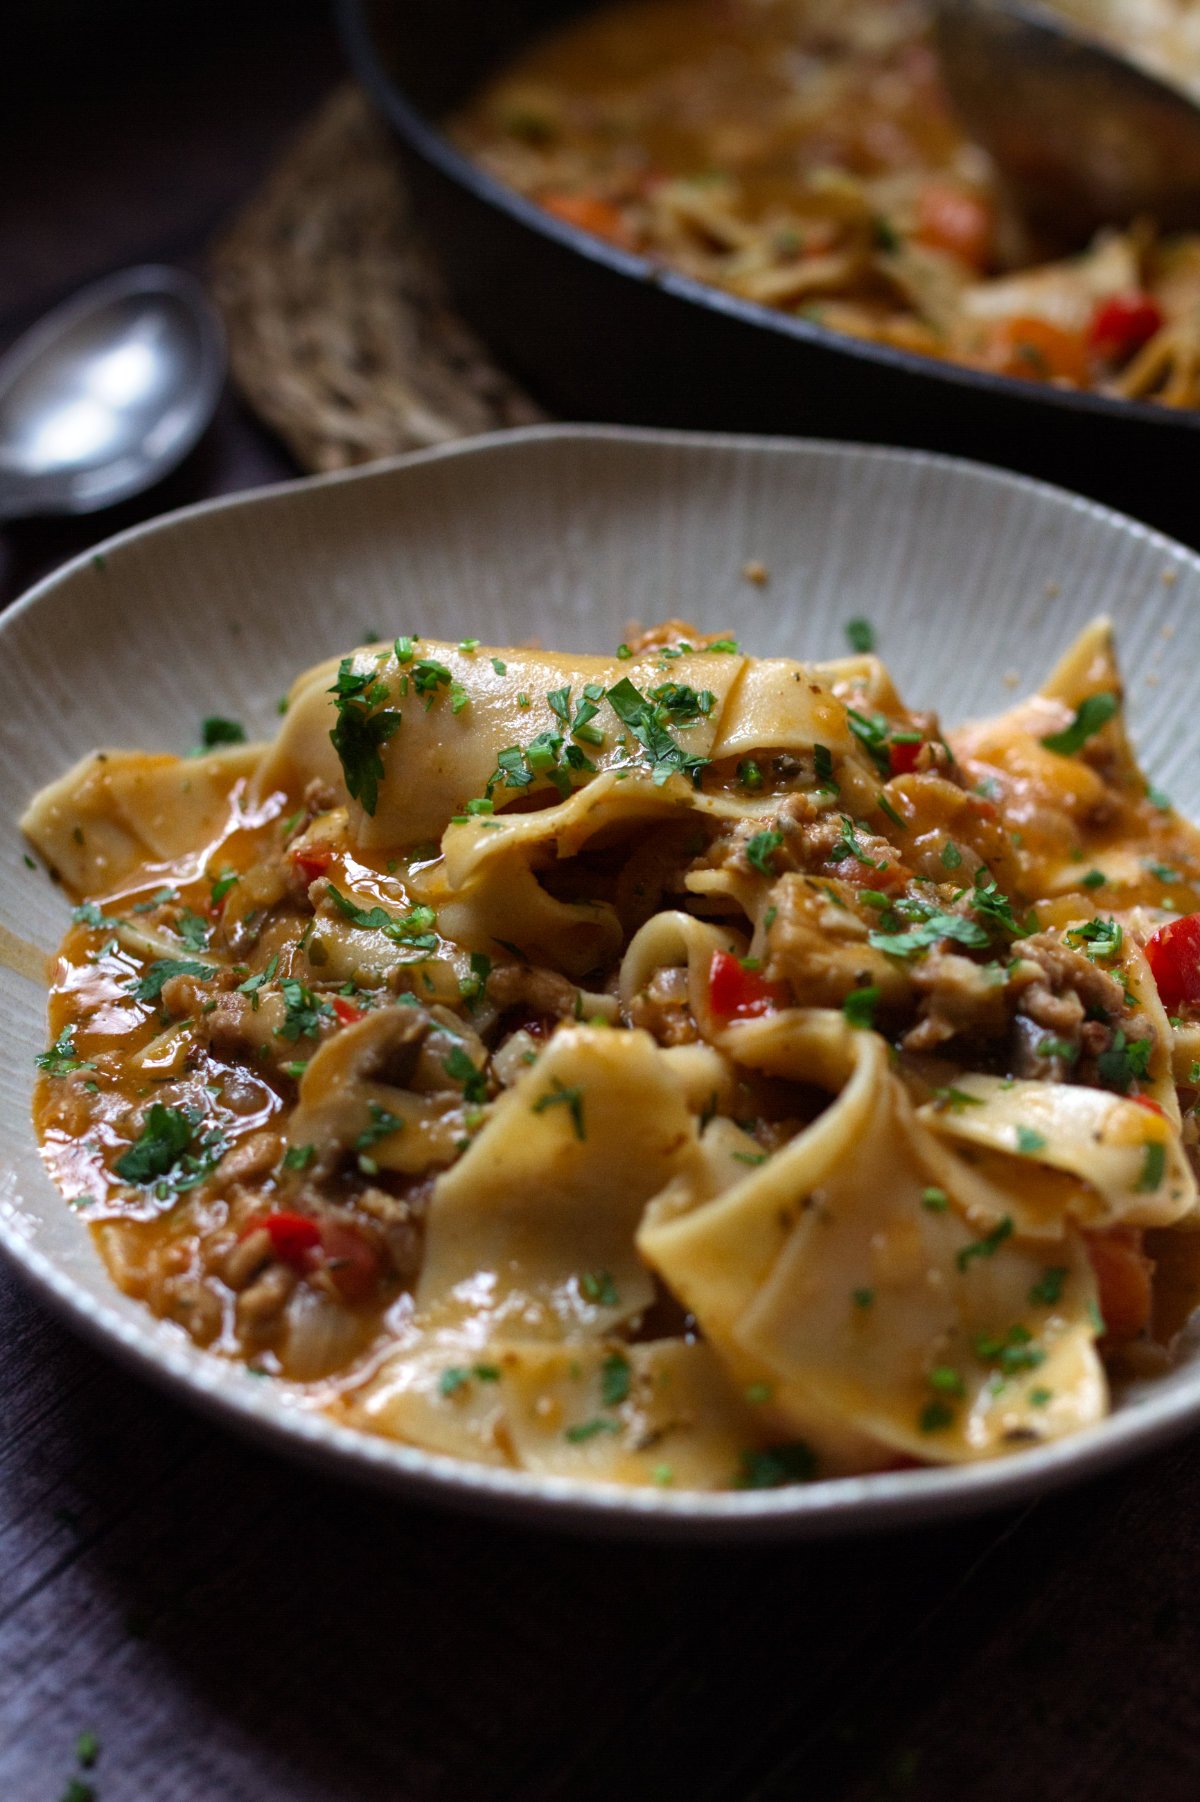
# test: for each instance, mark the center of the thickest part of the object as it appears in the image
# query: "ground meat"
(821, 950)
(662, 1009)
(958, 997)
(259, 1312)
(811, 845)
(542, 993)
(1063, 970)
(250, 1157)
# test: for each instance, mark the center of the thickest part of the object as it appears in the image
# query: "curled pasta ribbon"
(873, 1317)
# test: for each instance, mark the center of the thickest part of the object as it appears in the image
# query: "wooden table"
(233, 1629)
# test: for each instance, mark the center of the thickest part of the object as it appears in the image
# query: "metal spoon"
(1085, 136)
(107, 393)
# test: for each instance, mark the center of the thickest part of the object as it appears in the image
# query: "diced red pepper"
(1123, 1274)
(903, 756)
(735, 993)
(293, 1237)
(353, 1264)
(1173, 953)
(950, 218)
(1148, 1101)
(312, 860)
(1123, 324)
(1034, 348)
(346, 1011)
(590, 214)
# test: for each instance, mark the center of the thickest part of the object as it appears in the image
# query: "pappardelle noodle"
(671, 1068)
(803, 154)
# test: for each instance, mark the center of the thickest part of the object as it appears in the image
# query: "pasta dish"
(668, 1068)
(803, 154)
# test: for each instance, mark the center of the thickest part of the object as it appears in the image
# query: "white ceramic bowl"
(974, 579)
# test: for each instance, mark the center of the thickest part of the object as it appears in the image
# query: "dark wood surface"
(233, 1629)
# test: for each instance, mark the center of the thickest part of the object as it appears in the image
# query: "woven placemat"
(340, 334)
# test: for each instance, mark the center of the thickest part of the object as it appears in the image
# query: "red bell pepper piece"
(1173, 953)
(293, 1237)
(1123, 324)
(312, 860)
(902, 757)
(735, 993)
(346, 1011)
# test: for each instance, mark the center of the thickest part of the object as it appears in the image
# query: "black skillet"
(598, 334)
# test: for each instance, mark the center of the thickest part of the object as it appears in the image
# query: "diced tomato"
(1032, 347)
(1173, 953)
(903, 757)
(590, 214)
(312, 860)
(1123, 1273)
(293, 1237)
(735, 993)
(951, 218)
(1123, 324)
(346, 1011)
(352, 1262)
(1148, 1101)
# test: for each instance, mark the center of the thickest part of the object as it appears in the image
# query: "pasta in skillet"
(672, 1068)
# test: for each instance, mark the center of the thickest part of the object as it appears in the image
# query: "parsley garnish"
(1092, 714)
(761, 849)
(89, 914)
(150, 985)
(848, 846)
(1094, 879)
(776, 1465)
(647, 721)
(1154, 1166)
(60, 1060)
(1161, 872)
(1100, 940)
(598, 1287)
(860, 635)
(1015, 1352)
(299, 1157)
(1125, 1060)
(412, 929)
(614, 1380)
(588, 1429)
(216, 731)
(304, 1011)
(562, 1096)
(985, 1247)
(1049, 1287)
(383, 1124)
(935, 1417)
(951, 855)
(162, 1151)
(859, 1006)
(500, 667)
(360, 734)
(193, 930)
(221, 886)
(253, 984)
(935, 1200)
(471, 1079)
(1029, 1142)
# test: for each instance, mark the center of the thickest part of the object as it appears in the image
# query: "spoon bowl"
(1085, 136)
(108, 393)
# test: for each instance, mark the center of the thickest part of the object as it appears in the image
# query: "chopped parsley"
(935, 1417)
(470, 1078)
(599, 1288)
(361, 733)
(1100, 940)
(1049, 1286)
(303, 1011)
(1062, 1049)
(1125, 1061)
(1013, 1353)
(562, 1096)
(1091, 715)
(761, 849)
(149, 985)
(896, 818)
(588, 1429)
(614, 1380)
(499, 665)
(1154, 1166)
(254, 984)
(936, 1201)
(299, 1157)
(749, 774)
(649, 722)
(776, 1465)
(413, 929)
(428, 676)
(221, 885)
(218, 731)
(383, 1125)
(61, 1058)
(859, 1006)
(89, 914)
(162, 1153)
(1094, 879)
(951, 855)
(986, 1247)
(848, 845)
(1029, 1142)
(863, 1298)
(1161, 872)
(860, 635)
(823, 765)
(194, 931)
